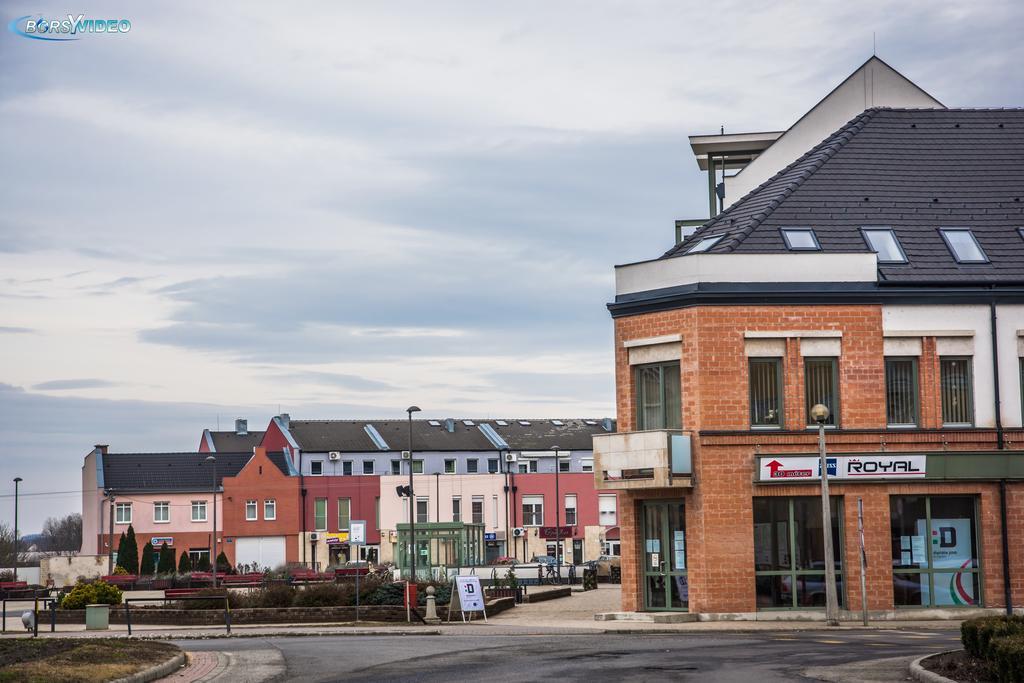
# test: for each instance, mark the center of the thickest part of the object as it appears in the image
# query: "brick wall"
(715, 406)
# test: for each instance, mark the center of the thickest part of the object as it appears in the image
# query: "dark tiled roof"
(350, 436)
(914, 170)
(168, 471)
(280, 460)
(231, 442)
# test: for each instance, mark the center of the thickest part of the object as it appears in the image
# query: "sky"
(238, 209)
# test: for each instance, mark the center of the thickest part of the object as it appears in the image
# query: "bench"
(343, 572)
(243, 580)
(120, 580)
(9, 589)
(309, 576)
(171, 593)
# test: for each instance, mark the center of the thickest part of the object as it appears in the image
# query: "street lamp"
(412, 502)
(213, 461)
(17, 480)
(558, 516)
(820, 413)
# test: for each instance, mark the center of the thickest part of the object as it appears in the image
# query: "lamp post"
(17, 480)
(558, 517)
(213, 461)
(412, 503)
(820, 413)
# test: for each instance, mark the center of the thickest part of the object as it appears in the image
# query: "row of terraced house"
(287, 494)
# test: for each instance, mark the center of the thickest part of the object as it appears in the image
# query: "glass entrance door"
(664, 556)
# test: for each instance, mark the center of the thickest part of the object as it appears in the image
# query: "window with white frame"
(270, 509)
(607, 508)
(477, 510)
(367, 467)
(472, 466)
(346, 468)
(250, 511)
(587, 465)
(533, 510)
(456, 509)
(198, 510)
(162, 512)
(316, 468)
(123, 513)
(492, 465)
(570, 509)
(563, 465)
(422, 510)
(396, 467)
(449, 466)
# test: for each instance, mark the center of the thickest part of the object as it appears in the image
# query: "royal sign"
(795, 469)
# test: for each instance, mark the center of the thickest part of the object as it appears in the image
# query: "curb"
(277, 634)
(155, 672)
(919, 673)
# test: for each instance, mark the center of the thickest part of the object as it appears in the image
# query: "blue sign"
(833, 467)
(492, 536)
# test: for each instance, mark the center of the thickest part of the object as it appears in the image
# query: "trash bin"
(97, 617)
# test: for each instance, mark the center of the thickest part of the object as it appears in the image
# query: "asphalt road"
(761, 657)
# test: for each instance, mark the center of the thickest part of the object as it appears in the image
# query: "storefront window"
(789, 556)
(935, 551)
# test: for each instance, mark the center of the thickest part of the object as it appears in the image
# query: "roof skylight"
(468, 423)
(525, 423)
(963, 245)
(800, 239)
(501, 423)
(557, 423)
(434, 423)
(883, 242)
(704, 244)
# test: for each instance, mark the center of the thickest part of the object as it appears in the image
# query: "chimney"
(449, 425)
(101, 448)
(286, 420)
(241, 427)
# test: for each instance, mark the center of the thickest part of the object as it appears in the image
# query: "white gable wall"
(875, 84)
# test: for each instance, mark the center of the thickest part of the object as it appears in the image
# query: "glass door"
(664, 556)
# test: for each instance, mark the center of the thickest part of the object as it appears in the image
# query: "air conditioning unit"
(314, 536)
(518, 532)
(334, 455)
(510, 457)
(406, 455)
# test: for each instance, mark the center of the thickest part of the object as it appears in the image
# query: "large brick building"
(880, 274)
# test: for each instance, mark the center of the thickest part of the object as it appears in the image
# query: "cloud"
(71, 384)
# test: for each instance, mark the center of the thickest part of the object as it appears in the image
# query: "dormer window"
(963, 245)
(800, 239)
(705, 244)
(883, 242)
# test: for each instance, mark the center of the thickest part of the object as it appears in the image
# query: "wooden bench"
(171, 593)
(243, 580)
(309, 576)
(120, 580)
(11, 588)
(343, 572)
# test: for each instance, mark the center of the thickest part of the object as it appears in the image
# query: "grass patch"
(77, 660)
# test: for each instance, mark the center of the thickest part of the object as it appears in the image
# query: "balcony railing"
(642, 460)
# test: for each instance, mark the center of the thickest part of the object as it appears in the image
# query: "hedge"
(1000, 642)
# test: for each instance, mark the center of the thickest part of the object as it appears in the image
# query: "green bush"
(96, 593)
(274, 595)
(165, 564)
(325, 595)
(1007, 653)
(977, 634)
(387, 594)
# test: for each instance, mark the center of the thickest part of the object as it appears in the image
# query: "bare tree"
(62, 535)
(7, 548)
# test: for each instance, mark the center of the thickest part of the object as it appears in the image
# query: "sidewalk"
(563, 616)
